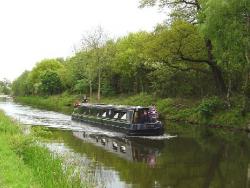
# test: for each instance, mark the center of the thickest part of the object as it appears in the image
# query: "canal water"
(185, 156)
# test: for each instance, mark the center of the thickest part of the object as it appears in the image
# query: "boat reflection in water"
(132, 149)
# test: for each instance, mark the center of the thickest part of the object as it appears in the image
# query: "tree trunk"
(246, 92)
(229, 91)
(90, 89)
(217, 73)
(142, 85)
(99, 85)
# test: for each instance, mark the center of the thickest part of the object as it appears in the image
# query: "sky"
(32, 30)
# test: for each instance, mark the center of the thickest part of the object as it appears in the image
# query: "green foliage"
(13, 171)
(26, 164)
(48, 168)
(50, 83)
(41, 132)
(5, 125)
(230, 33)
(43, 66)
(210, 106)
(22, 86)
(163, 105)
(5, 87)
(107, 89)
(140, 62)
(44, 79)
(174, 60)
(63, 103)
(81, 86)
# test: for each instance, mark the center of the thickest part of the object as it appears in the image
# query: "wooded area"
(203, 49)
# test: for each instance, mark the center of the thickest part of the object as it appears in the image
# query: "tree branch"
(185, 69)
(193, 60)
(186, 2)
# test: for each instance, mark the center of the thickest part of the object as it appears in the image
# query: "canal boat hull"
(150, 129)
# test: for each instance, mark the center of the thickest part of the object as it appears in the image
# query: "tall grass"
(59, 103)
(13, 171)
(25, 163)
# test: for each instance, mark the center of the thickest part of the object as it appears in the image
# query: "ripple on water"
(162, 137)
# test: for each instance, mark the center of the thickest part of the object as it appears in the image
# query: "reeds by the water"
(28, 164)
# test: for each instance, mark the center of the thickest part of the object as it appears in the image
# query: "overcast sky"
(32, 30)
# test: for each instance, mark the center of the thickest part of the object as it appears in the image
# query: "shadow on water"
(197, 157)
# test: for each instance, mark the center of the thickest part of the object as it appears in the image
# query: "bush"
(209, 106)
(164, 105)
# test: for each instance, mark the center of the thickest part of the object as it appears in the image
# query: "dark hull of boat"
(146, 132)
(155, 129)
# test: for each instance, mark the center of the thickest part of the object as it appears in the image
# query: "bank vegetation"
(26, 163)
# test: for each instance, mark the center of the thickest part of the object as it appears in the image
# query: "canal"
(185, 156)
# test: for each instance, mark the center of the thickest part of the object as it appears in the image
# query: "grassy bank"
(59, 103)
(211, 111)
(24, 163)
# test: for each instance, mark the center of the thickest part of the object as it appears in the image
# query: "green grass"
(24, 163)
(13, 171)
(59, 103)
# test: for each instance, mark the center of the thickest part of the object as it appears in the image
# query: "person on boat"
(77, 104)
(85, 99)
(144, 117)
(152, 113)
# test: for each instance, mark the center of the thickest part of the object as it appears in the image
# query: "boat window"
(136, 117)
(130, 116)
(99, 113)
(116, 115)
(104, 114)
(124, 116)
(141, 116)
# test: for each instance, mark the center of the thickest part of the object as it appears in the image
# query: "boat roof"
(113, 107)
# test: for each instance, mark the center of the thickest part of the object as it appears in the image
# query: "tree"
(230, 35)
(192, 11)
(5, 86)
(40, 69)
(82, 69)
(179, 46)
(130, 60)
(21, 86)
(169, 51)
(50, 83)
(93, 43)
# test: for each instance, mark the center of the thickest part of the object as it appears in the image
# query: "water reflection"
(133, 149)
(206, 161)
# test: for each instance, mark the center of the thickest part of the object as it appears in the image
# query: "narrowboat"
(131, 120)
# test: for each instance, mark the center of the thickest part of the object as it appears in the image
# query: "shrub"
(209, 106)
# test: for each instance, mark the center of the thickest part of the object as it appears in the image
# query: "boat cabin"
(130, 114)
